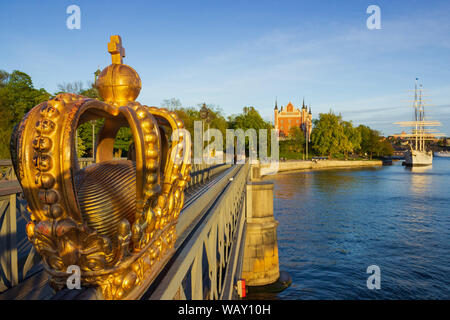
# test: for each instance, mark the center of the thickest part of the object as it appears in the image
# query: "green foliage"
(249, 118)
(123, 141)
(17, 97)
(386, 148)
(214, 119)
(91, 92)
(353, 137)
(81, 148)
(370, 142)
(336, 138)
(294, 147)
(328, 135)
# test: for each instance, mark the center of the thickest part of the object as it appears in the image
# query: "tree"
(123, 141)
(353, 138)
(215, 118)
(81, 148)
(77, 87)
(386, 148)
(17, 97)
(250, 119)
(373, 143)
(91, 92)
(171, 104)
(294, 146)
(85, 130)
(71, 87)
(370, 141)
(328, 135)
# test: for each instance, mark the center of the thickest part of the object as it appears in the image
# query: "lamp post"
(93, 139)
(204, 115)
(307, 138)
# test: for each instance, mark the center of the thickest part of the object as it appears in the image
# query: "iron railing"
(18, 258)
(6, 170)
(208, 260)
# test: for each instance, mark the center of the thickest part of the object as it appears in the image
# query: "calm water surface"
(336, 223)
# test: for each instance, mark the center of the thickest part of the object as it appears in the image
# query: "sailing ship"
(418, 155)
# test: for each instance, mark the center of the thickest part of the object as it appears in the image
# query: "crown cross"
(116, 50)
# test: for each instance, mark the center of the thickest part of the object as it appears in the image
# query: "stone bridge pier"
(261, 266)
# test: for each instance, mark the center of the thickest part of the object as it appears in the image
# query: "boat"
(418, 155)
(418, 158)
(442, 154)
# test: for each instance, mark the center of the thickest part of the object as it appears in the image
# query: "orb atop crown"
(118, 83)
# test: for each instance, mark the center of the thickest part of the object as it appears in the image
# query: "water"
(336, 223)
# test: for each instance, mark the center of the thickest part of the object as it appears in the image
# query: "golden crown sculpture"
(116, 218)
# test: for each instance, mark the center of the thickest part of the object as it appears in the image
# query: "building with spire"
(290, 116)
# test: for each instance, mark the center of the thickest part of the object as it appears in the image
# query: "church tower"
(275, 111)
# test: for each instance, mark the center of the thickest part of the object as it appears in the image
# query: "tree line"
(334, 137)
(331, 136)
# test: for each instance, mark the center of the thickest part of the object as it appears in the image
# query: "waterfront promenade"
(294, 165)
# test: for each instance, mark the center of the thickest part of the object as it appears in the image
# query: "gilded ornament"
(115, 219)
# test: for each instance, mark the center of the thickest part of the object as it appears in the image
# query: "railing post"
(13, 240)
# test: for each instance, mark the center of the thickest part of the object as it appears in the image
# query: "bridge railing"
(6, 170)
(18, 259)
(208, 260)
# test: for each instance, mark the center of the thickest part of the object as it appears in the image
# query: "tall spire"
(303, 105)
(276, 105)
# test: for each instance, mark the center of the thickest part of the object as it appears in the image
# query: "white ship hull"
(418, 158)
(444, 154)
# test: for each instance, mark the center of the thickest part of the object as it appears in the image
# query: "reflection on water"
(335, 223)
(421, 179)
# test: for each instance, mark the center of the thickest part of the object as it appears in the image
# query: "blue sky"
(237, 53)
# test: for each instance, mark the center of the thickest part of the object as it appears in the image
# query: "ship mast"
(419, 134)
(421, 119)
(415, 114)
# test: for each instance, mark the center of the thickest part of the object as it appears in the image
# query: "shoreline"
(307, 165)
